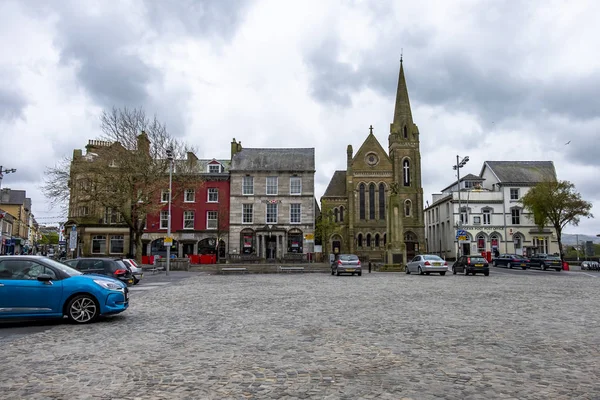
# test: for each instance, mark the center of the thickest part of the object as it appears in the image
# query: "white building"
(491, 215)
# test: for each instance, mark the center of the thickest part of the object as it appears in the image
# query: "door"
(23, 294)
(411, 249)
(271, 250)
(466, 249)
(336, 246)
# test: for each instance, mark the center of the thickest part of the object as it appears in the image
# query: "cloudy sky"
(494, 80)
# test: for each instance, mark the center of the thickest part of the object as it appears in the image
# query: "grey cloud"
(12, 104)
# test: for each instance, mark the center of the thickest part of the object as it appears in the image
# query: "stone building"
(272, 206)
(17, 204)
(357, 199)
(488, 209)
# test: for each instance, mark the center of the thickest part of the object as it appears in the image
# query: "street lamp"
(5, 171)
(169, 239)
(459, 164)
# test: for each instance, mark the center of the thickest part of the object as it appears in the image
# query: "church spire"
(402, 113)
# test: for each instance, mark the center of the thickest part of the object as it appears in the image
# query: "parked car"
(346, 264)
(471, 265)
(114, 268)
(510, 261)
(426, 264)
(135, 269)
(590, 265)
(39, 287)
(545, 261)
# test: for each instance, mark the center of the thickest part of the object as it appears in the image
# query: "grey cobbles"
(380, 336)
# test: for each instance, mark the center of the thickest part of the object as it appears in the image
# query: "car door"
(91, 266)
(413, 264)
(25, 294)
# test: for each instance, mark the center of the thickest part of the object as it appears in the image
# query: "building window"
(164, 196)
(211, 220)
(271, 185)
(514, 194)
(164, 219)
(368, 240)
(335, 215)
(384, 239)
(405, 133)
(464, 216)
(295, 186)
(213, 195)
(361, 201)
(480, 243)
(248, 185)
(516, 216)
(99, 244)
(214, 168)
(540, 244)
(271, 213)
(341, 213)
(406, 172)
(359, 240)
(247, 211)
(112, 216)
(83, 211)
(117, 244)
(295, 213)
(487, 217)
(372, 201)
(477, 220)
(377, 240)
(247, 239)
(295, 241)
(382, 201)
(407, 208)
(189, 196)
(188, 220)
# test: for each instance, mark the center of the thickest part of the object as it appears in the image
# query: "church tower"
(406, 161)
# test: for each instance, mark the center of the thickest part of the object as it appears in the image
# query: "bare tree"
(120, 175)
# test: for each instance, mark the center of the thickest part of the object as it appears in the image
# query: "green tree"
(324, 228)
(121, 181)
(556, 203)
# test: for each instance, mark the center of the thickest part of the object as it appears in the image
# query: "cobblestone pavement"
(316, 336)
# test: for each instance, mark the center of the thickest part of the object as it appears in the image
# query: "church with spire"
(376, 204)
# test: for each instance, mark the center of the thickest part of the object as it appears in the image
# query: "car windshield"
(432, 258)
(478, 259)
(348, 257)
(63, 267)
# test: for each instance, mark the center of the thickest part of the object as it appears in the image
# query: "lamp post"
(5, 171)
(459, 164)
(169, 239)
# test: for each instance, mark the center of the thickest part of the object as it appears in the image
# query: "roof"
(522, 171)
(299, 159)
(337, 185)
(468, 177)
(9, 196)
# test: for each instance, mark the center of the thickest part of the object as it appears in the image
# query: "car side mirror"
(44, 278)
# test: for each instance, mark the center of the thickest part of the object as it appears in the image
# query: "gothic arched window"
(368, 240)
(359, 240)
(406, 172)
(405, 133)
(381, 201)
(377, 240)
(407, 210)
(372, 201)
(335, 215)
(342, 214)
(361, 201)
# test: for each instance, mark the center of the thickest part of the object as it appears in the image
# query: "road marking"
(585, 273)
(147, 286)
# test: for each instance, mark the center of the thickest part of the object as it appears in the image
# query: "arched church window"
(368, 240)
(372, 201)
(361, 201)
(341, 213)
(381, 201)
(384, 239)
(407, 210)
(335, 215)
(405, 132)
(377, 240)
(406, 172)
(359, 240)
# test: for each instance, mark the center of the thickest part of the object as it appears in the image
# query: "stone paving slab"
(316, 336)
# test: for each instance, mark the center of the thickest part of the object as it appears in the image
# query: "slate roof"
(337, 185)
(522, 171)
(9, 196)
(300, 159)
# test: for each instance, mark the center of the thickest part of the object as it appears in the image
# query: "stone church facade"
(357, 199)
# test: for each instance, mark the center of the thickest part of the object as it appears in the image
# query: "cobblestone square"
(316, 336)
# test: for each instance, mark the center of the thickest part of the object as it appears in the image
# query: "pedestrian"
(369, 266)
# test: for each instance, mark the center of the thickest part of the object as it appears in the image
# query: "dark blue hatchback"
(38, 287)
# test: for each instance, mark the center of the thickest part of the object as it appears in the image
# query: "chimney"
(235, 147)
(77, 154)
(349, 152)
(143, 143)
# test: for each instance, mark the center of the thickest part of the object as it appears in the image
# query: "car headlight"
(108, 284)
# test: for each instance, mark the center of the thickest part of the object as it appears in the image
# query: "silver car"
(346, 264)
(426, 264)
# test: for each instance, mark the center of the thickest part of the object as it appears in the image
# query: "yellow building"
(17, 204)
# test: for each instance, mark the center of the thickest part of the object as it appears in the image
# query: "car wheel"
(359, 273)
(420, 271)
(557, 269)
(543, 267)
(486, 273)
(453, 271)
(407, 270)
(442, 273)
(82, 309)
(337, 272)
(136, 281)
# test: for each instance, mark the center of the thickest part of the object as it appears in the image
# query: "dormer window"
(214, 168)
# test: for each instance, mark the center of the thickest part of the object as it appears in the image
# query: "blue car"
(34, 287)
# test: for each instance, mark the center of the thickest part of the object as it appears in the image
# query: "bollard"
(369, 266)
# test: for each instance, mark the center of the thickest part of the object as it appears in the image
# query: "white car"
(135, 269)
(426, 264)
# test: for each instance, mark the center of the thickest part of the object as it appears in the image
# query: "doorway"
(271, 247)
(466, 249)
